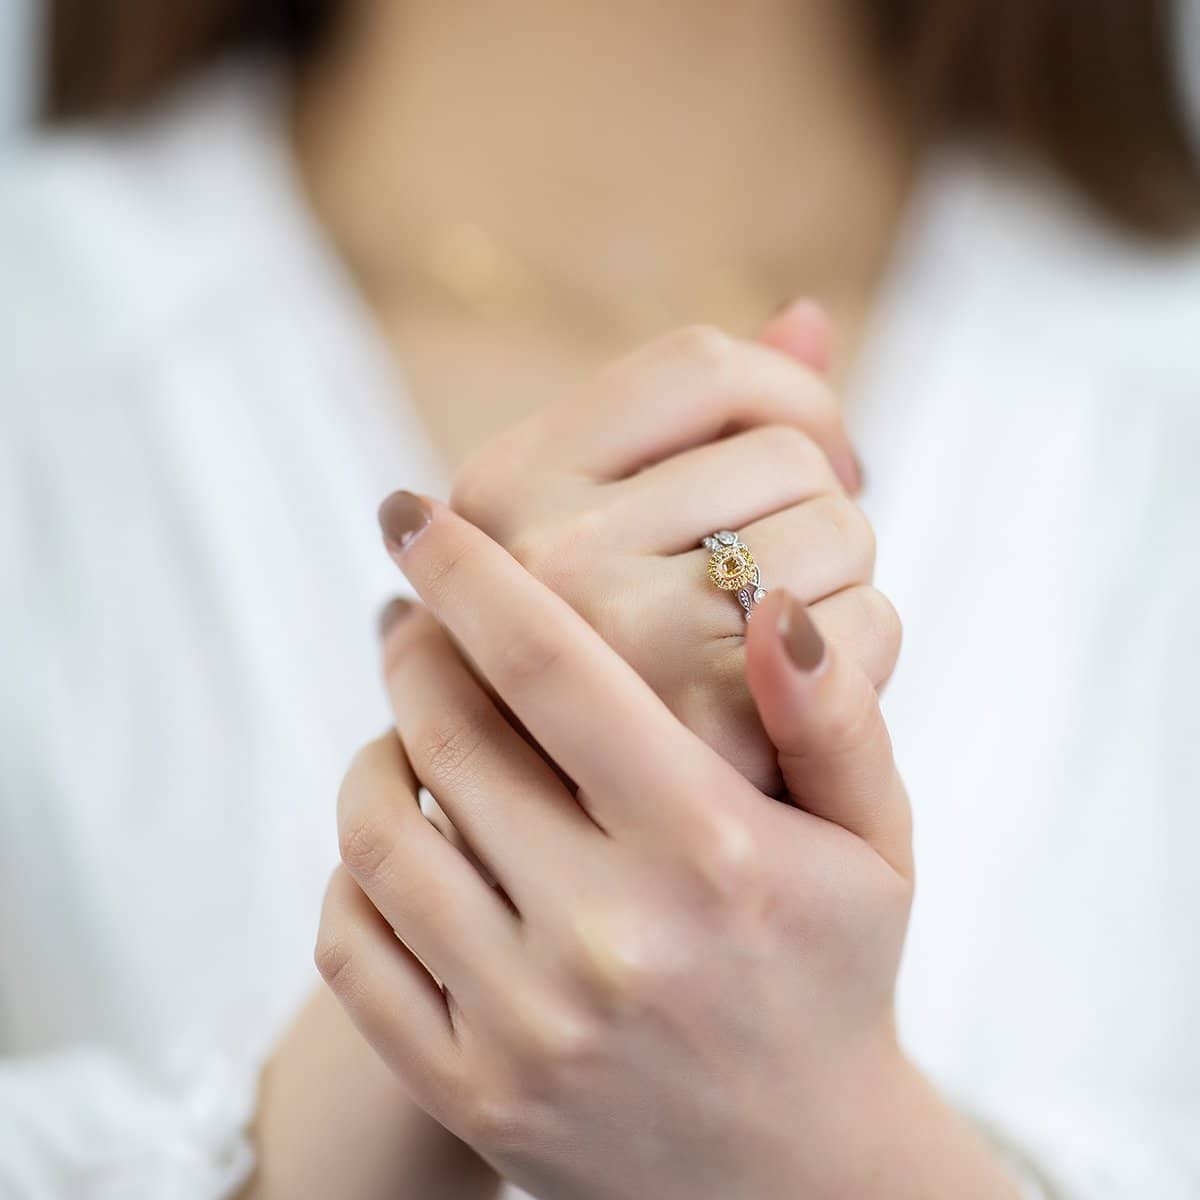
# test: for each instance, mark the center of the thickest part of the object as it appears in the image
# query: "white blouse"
(197, 425)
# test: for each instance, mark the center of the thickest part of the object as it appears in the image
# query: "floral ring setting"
(732, 568)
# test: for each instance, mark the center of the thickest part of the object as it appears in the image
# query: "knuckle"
(710, 349)
(870, 547)
(790, 443)
(472, 486)
(881, 628)
(334, 960)
(848, 526)
(827, 415)
(553, 552)
(795, 452)
(587, 527)
(529, 655)
(619, 960)
(898, 891)
(882, 617)
(556, 1037)
(726, 858)
(848, 725)
(566, 1038)
(484, 484)
(834, 514)
(632, 966)
(877, 616)
(823, 414)
(493, 1117)
(861, 534)
(445, 748)
(533, 548)
(365, 843)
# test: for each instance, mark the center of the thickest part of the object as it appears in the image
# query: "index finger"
(586, 707)
(686, 389)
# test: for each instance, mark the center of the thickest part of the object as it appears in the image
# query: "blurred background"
(19, 21)
(20, 30)
(209, 416)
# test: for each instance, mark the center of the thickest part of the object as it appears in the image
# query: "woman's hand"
(605, 499)
(680, 991)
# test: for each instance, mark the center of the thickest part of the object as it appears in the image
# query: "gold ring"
(732, 568)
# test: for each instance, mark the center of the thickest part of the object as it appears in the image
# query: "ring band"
(732, 568)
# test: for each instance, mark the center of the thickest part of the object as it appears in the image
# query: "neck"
(624, 141)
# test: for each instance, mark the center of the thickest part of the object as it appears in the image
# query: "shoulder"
(135, 255)
(109, 231)
(1056, 319)
(130, 250)
(1072, 285)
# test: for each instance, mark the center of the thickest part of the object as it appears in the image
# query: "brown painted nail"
(401, 517)
(804, 645)
(393, 612)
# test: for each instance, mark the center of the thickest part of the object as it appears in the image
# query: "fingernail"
(401, 517)
(804, 645)
(393, 612)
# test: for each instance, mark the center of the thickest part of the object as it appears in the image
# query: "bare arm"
(334, 1121)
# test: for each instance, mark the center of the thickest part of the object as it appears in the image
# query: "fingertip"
(801, 329)
(392, 613)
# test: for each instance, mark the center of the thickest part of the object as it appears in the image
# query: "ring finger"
(813, 549)
(728, 484)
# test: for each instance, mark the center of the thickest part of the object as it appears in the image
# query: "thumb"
(822, 714)
(801, 330)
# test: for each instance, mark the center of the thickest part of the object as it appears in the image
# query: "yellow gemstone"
(731, 567)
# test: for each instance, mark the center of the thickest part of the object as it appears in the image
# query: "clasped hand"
(666, 984)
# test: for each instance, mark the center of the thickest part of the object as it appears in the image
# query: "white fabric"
(197, 426)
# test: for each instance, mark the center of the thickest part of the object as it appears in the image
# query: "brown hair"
(1087, 85)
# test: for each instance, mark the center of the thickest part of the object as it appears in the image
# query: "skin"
(681, 389)
(760, 91)
(507, 812)
(739, 135)
(601, 498)
(634, 1016)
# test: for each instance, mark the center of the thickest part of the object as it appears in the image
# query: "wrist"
(334, 1121)
(915, 1145)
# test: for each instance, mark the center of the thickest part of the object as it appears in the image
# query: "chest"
(471, 379)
